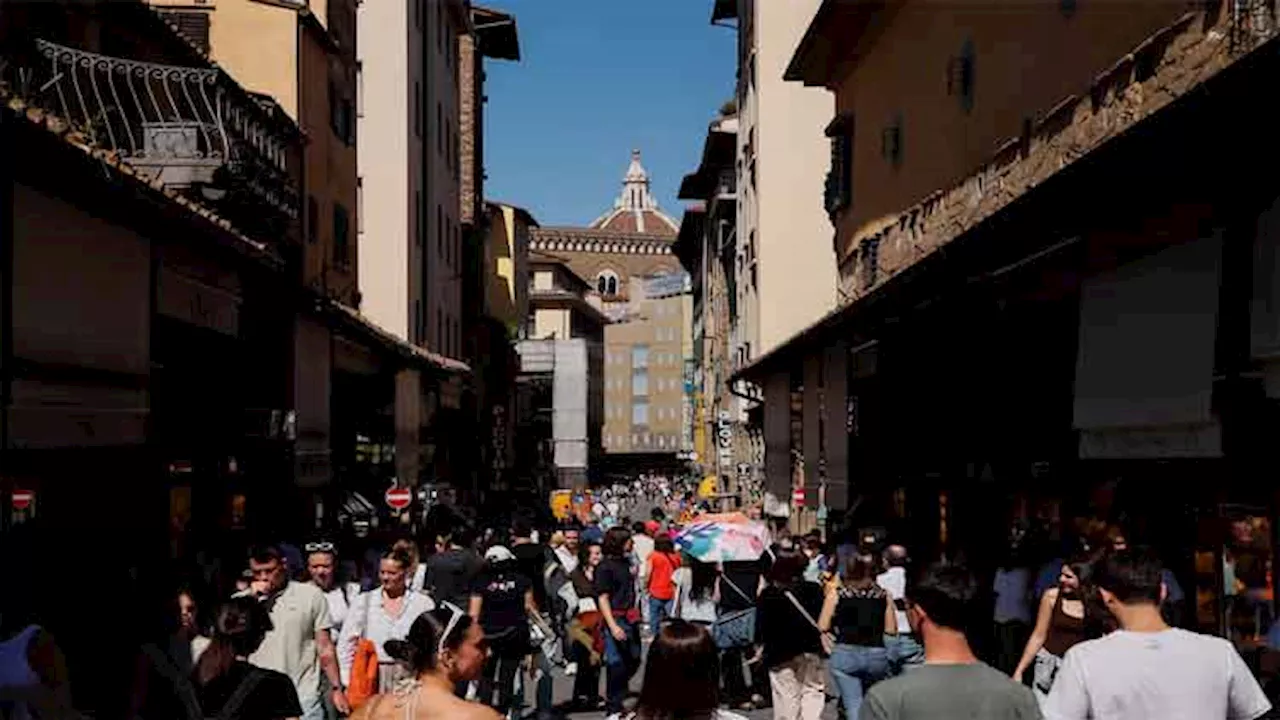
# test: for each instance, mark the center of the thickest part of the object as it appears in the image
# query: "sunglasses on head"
(455, 615)
(322, 546)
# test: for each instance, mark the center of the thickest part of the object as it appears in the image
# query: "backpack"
(187, 692)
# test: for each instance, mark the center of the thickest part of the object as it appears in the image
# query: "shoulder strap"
(241, 694)
(802, 610)
(737, 589)
(181, 684)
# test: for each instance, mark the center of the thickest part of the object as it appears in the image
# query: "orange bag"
(364, 674)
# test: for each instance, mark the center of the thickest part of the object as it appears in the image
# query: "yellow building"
(507, 265)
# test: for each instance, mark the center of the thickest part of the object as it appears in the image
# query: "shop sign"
(724, 439)
(499, 437)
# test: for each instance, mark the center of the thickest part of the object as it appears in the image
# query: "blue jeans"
(622, 660)
(854, 668)
(659, 610)
(905, 652)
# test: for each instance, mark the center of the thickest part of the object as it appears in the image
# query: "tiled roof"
(393, 342)
(637, 221)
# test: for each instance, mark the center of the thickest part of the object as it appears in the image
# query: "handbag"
(364, 669)
(826, 638)
(735, 629)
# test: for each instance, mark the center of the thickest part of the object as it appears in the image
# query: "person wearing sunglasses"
(444, 648)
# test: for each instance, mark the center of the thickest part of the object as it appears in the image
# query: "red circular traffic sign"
(22, 499)
(398, 498)
(797, 496)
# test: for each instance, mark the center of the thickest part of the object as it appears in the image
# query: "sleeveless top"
(1064, 630)
(859, 616)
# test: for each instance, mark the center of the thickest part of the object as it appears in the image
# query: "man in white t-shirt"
(1147, 670)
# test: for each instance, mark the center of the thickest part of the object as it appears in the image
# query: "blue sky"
(596, 79)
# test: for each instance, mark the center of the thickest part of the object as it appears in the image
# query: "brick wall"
(470, 109)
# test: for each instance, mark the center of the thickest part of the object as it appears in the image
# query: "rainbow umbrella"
(723, 541)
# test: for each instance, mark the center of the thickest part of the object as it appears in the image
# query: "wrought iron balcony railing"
(189, 127)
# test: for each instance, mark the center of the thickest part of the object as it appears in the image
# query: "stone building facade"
(626, 257)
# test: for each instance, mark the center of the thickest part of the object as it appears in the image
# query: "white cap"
(498, 553)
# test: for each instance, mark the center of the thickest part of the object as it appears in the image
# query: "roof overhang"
(351, 320)
(565, 299)
(689, 241)
(496, 32)
(838, 37)
(722, 10)
(719, 152)
(521, 214)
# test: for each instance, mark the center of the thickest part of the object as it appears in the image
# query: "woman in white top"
(381, 614)
(697, 591)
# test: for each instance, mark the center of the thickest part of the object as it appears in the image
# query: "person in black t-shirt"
(616, 596)
(739, 585)
(501, 599)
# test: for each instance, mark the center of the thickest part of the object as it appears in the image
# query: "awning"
(350, 319)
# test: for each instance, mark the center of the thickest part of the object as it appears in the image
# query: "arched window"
(607, 283)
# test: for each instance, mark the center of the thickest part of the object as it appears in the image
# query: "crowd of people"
(468, 622)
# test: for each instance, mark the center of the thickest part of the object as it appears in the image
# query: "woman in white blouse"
(381, 614)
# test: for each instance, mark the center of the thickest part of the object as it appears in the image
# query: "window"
(439, 231)
(417, 322)
(341, 115)
(607, 283)
(445, 244)
(891, 142)
(417, 13)
(838, 192)
(640, 382)
(960, 80)
(440, 26)
(419, 220)
(439, 129)
(640, 412)
(417, 108)
(341, 236)
(193, 25)
(359, 204)
(439, 329)
(313, 220)
(359, 89)
(639, 356)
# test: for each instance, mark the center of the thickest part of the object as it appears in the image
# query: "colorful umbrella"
(724, 541)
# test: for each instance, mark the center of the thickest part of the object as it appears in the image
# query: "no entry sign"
(797, 497)
(22, 499)
(398, 498)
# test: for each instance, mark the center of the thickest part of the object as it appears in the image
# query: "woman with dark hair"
(860, 613)
(583, 630)
(1069, 614)
(616, 596)
(789, 639)
(223, 683)
(682, 676)
(696, 592)
(662, 564)
(189, 641)
(444, 648)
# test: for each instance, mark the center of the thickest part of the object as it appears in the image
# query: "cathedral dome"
(635, 210)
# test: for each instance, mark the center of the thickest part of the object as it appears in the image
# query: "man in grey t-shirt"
(1147, 669)
(952, 684)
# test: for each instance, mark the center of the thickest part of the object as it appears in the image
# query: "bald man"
(904, 649)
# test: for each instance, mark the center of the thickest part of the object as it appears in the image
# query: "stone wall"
(1162, 69)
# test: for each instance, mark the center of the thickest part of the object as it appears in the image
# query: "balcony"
(192, 129)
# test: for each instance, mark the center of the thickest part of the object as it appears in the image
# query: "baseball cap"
(498, 553)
